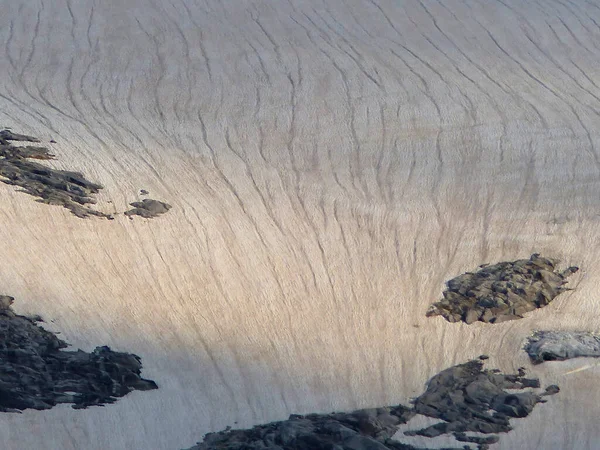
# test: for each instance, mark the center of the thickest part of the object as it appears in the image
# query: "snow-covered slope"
(330, 164)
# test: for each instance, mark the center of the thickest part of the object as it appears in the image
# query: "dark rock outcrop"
(561, 345)
(501, 292)
(35, 373)
(359, 430)
(470, 399)
(55, 187)
(8, 135)
(461, 396)
(481, 441)
(148, 208)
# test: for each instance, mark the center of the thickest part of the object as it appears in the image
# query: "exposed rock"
(561, 345)
(35, 373)
(366, 429)
(8, 135)
(486, 440)
(144, 192)
(148, 208)
(55, 187)
(461, 396)
(501, 292)
(468, 398)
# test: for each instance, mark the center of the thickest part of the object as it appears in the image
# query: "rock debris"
(500, 292)
(58, 187)
(54, 187)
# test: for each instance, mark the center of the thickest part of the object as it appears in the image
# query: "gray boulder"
(148, 208)
(561, 345)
